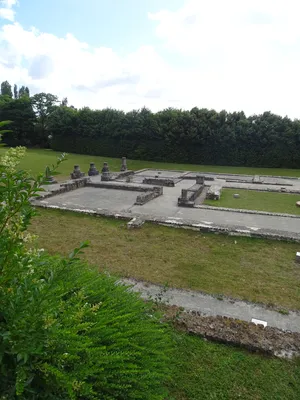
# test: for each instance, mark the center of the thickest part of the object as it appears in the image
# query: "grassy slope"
(252, 269)
(262, 201)
(37, 159)
(210, 371)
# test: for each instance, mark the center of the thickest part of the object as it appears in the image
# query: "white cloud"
(6, 9)
(243, 54)
(97, 77)
(233, 55)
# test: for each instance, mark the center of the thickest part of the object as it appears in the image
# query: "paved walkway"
(211, 306)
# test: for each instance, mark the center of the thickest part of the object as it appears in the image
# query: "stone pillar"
(298, 257)
(200, 179)
(93, 170)
(184, 193)
(76, 174)
(124, 164)
(105, 175)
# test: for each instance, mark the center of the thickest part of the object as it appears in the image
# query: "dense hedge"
(196, 136)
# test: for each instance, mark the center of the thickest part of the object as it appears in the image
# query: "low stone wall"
(121, 186)
(64, 187)
(245, 211)
(147, 196)
(159, 182)
(124, 174)
(188, 196)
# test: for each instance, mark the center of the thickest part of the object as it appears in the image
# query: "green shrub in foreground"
(77, 334)
(67, 332)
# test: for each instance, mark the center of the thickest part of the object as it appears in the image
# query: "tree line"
(198, 136)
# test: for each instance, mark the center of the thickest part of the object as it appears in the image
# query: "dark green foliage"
(196, 136)
(20, 112)
(24, 91)
(6, 89)
(71, 333)
(66, 331)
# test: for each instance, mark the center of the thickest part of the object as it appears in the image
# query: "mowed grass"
(252, 269)
(208, 371)
(260, 201)
(37, 159)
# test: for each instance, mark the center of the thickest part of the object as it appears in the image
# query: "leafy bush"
(67, 332)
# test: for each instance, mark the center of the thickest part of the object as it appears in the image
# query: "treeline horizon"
(198, 136)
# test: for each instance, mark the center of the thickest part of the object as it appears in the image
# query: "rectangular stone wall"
(159, 182)
(188, 196)
(143, 198)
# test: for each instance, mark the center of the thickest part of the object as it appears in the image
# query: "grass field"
(260, 201)
(252, 269)
(36, 160)
(210, 371)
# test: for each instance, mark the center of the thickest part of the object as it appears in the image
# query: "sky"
(127, 54)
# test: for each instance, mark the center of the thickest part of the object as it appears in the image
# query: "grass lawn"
(37, 159)
(261, 201)
(208, 371)
(246, 268)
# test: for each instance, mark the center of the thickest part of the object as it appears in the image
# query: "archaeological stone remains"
(124, 164)
(93, 170)
(77, 174)
(105, 174)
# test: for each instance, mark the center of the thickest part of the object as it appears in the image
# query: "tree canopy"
(199, 136)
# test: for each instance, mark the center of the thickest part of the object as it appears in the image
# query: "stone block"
(214, 192)
(135, 223)
(256, 179)
(236, 196)
(159, 182)
(200, 179)
(124, 164)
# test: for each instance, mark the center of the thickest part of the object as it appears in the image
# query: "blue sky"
(121, 24)
(233, 55)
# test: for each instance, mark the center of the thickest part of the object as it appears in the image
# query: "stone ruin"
(188, 196)
(93, 170)
(214, 192)
(159, 182)
(124, 164)
(77, 174)
(105, 174)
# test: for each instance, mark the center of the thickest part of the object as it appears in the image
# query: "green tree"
(20, 112)
(6, 89)
(43, 105)
(16, 93)
(24, 91)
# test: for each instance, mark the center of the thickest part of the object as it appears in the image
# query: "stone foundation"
(214, 192)
(159, 182)
(188, 196)
(147, 196)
